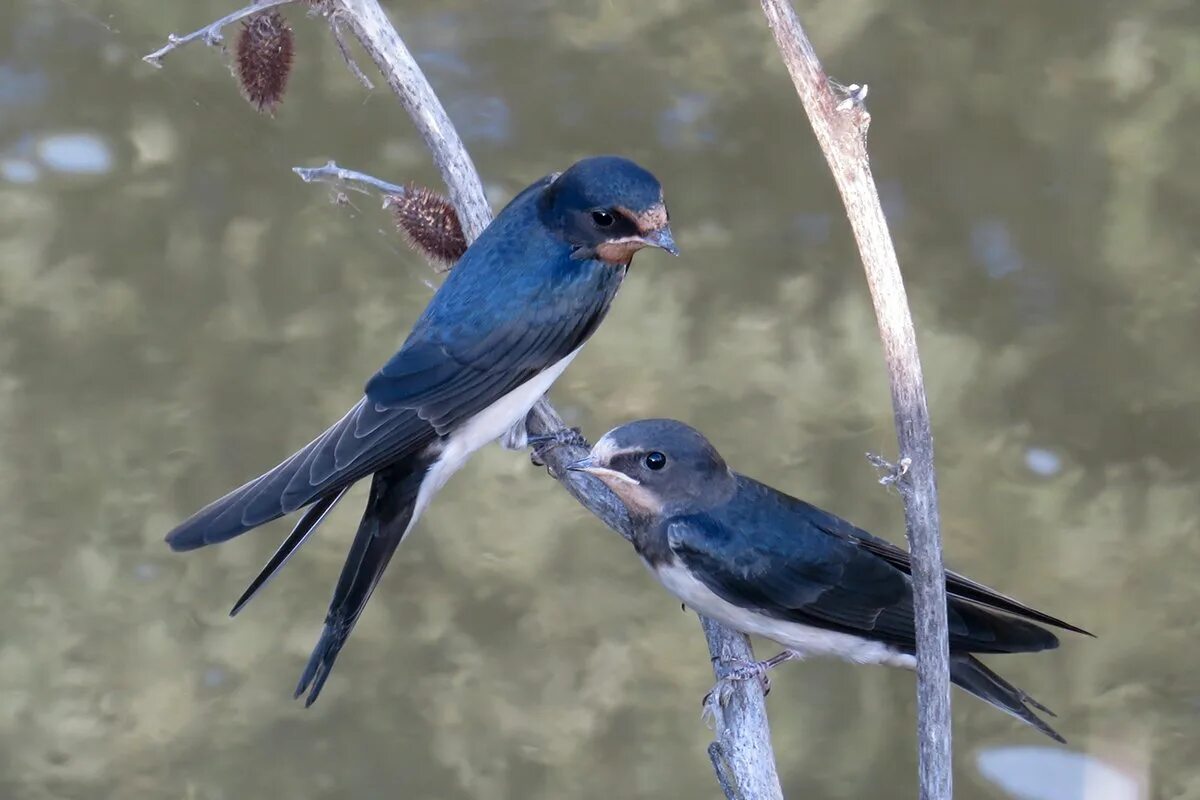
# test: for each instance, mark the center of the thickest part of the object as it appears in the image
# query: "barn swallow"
(768, 564)
(508, 320)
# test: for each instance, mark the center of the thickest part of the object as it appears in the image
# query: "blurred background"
(179, 312)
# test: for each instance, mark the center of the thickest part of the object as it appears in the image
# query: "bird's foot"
(570, 437)
(735, 671)
(563, 437)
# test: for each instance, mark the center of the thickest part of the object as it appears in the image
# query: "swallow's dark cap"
(660, 466)
(676, 439)
(609, 181)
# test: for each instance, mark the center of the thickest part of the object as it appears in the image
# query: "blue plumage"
(520, 302)
(769, 564)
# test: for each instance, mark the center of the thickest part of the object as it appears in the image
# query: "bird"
(768, 564)
(516, 309)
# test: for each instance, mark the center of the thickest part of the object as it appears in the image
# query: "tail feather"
(364, 440)
(976, 629)
(970, 674)
(385, 522)
(308, 523)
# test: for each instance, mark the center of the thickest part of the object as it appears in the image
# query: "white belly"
(805, 640)
(486, 426)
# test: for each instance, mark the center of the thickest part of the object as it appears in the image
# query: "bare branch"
(210, 34)
(739, 722)
(339, 176)
(840, 123)
(371, 26)
(339, 38)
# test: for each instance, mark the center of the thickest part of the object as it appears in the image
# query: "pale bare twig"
(210, 34)
(330, 172)
(740, 722)
(339, 39)
(840, 123)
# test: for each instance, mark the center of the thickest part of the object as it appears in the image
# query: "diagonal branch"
(742, 752)
(840, 123)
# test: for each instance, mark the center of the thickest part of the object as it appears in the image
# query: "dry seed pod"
(430, 225)
(264, 59)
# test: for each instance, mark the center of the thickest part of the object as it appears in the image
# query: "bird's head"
(660, 467)
(608, 208)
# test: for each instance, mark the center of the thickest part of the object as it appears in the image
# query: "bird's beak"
(589, 465)
(662, 239)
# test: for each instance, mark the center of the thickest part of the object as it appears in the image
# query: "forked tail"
(384, 523)
(970, 674)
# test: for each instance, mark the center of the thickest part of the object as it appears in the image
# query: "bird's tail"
(969, 673)
(355, 446)
(385, 521)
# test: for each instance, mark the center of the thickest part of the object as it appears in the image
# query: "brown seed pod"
(430, 225)
(264, 59)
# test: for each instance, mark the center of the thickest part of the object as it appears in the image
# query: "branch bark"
(840, 123)
(742, 754)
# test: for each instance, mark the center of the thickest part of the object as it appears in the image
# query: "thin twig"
(210, 34)
(330, 172)
(840, 123)
(339, 39)
(378, 37)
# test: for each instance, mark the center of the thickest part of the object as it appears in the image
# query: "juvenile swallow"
(508, 320)
(768, 564)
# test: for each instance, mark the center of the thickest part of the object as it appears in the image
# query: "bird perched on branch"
(768, 564)
(515, 311)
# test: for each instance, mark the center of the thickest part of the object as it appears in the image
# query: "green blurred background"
(178, 312)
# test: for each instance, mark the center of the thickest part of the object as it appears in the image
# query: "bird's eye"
(602, 218)
(655, 460)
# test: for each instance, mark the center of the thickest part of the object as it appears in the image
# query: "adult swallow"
(508, 320)
(768, 564)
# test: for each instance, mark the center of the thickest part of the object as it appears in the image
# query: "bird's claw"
(563, 437)
(572, 437)
(734, 671)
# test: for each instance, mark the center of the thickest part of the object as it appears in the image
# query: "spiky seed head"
(430, 225)
(265, 48)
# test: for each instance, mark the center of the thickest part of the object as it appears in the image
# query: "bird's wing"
(823, 582)
(957, 585)
(768, 554)
(423, 392)
(450, 372)
(513, 306)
